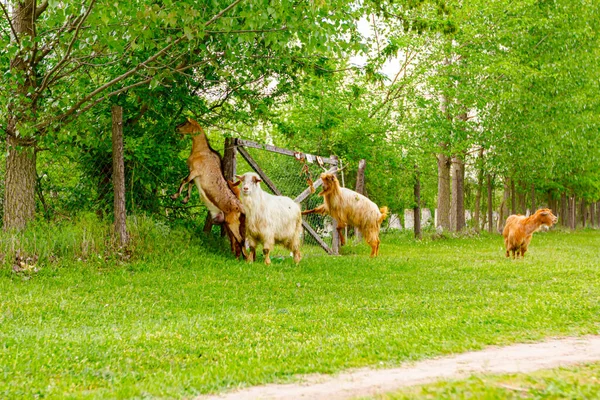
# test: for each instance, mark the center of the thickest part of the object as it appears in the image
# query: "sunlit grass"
(578, 382)
(183, 317)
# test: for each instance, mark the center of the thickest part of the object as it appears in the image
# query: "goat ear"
(235, 183)
(240, 177)
(256, 179)
(545, 213)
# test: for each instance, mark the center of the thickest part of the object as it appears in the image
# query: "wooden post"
(417, 207)
(360, 188)
(229, 169)
(118, 175)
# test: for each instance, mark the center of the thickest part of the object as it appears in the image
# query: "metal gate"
(296, 175)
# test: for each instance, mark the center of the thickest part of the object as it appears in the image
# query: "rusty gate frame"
(240, 144)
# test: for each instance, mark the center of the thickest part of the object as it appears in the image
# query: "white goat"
(269, 219)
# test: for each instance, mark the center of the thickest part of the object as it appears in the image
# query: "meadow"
(577, 382)
(179, 316)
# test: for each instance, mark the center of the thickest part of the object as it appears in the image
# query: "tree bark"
(592, 214)
(118, 175)
(458, 194)
(443, 199)
(490, 205)
(417, 207)
(513, 197)
(479, 193)
(360, 188)
(504, 207)
(564, 213)
(533, 204)
(522, 199)
(20, 181)
(583, 213)
(571, 213)
(21, 177)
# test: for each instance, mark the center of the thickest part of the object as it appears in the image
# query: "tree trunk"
(360, 188)
(20, 181)
(417, 207)
(592, 214)
(443, 199)
(479, 193)
(564, 214)
(458, 194)
(521, 197)
(21, 177)
(533, 205)
(504, 207)
(583, 213)
(571, 213)
(490, 205)
(118, 175)
(513, 197)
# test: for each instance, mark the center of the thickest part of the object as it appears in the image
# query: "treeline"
(488, 107)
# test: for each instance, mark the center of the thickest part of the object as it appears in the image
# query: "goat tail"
(384, 213)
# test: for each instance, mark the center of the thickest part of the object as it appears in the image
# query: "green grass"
(183, 318)
(579, 382)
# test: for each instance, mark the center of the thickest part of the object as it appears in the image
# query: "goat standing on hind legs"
(519, 229)
(216, 193)
(348, 207)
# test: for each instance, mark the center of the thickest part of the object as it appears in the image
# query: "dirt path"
(493, 360)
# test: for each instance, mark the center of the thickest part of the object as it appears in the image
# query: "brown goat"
(519, 229)
(348, 207)
(217, 195)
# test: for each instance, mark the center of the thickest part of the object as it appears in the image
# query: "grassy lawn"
(183, 319)
(581, 382)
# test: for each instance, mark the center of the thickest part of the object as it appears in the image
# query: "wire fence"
(76, 182)
(292, 176)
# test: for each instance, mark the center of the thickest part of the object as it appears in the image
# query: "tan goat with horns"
(216, 193)
(348, 207)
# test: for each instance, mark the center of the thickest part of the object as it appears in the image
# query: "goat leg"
(176, 195)
(319, 210)
(185, 181)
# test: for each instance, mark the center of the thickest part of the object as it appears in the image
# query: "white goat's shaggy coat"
(348, 207)
(270, 219)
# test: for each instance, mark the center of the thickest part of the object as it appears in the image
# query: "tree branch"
(40, 9)
(284, 28)
(77, 109)
(65, 58)
(12, 28)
